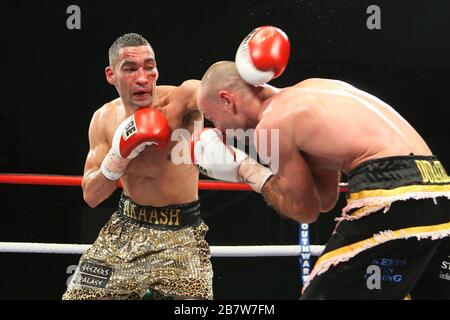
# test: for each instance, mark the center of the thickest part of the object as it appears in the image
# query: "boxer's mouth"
(141, 93)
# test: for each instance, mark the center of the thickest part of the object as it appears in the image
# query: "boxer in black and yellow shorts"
(142, 247)
(393, 237)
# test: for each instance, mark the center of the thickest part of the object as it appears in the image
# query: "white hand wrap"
(113, 166)
(254, 174)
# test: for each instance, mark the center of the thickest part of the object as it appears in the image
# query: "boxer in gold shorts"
(144, 247)
(156, 238)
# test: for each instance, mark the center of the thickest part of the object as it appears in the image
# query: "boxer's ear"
(227, 98)
(110, 76)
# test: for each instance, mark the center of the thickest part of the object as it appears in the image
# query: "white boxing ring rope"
(216, 251)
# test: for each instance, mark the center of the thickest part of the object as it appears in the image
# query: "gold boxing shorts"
(145, 247)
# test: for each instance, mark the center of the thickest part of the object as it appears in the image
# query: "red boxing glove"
(263, 55)
(147, 126)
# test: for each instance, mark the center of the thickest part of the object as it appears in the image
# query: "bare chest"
(156, 163)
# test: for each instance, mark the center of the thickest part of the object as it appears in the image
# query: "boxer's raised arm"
(185, 96)
(187, 93)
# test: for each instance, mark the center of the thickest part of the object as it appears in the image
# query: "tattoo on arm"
(274, 197)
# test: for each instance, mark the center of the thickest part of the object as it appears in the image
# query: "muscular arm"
(188, 90)
(183, 100)
(96, 187)
(327, 185)
(291, 191)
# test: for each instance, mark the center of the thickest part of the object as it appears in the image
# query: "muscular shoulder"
(99, 121)
(292, 112)
(190, 86)
(322, 83)
(107, 112)
(288, 105)
(184, 95)
(187, 93)
(185, 98)
(108, 116)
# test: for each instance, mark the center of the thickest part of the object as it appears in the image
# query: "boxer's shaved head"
(222, 75)
(225, 99)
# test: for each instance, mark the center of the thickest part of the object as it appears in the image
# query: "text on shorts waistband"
(394, 172)
(168, 217)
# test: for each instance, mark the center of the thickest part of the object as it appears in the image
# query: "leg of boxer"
(396, 227)
(401, 264)
(141, 247)
(435, 281)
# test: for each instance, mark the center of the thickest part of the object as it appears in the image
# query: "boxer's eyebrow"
(150, 60)
(134, 63)
(128, 64)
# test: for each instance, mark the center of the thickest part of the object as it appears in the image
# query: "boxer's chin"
(143, 101)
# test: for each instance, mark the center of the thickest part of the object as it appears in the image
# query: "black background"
(53, 81)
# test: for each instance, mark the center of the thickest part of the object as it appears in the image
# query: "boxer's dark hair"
(127, 40)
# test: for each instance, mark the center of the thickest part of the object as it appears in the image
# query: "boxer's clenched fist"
(218, 160)
(147, 126)
(263, 55)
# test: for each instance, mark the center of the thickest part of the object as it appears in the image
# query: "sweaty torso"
(344, 128)
(152, 178)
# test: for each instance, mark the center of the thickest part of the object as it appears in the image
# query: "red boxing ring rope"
(75, 181)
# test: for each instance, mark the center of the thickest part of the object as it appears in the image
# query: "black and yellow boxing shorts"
(144, 247)
(393, 236)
